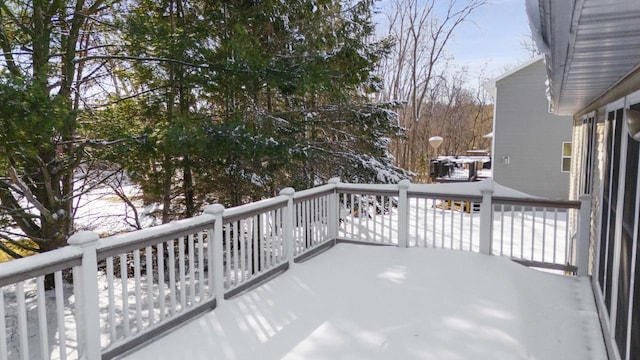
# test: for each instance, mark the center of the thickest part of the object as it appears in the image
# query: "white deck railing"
(110, 295)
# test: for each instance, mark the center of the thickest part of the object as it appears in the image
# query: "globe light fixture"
(435, 142)
(633, 123)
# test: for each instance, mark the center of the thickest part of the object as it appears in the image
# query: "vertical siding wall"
(596, 186)
(587, 170)
(532, 137)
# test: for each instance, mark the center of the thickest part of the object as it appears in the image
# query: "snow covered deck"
(369, 302)
(426, 293)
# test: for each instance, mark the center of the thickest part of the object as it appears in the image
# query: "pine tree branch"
(142, 58)
(5, 45)
(6, 10)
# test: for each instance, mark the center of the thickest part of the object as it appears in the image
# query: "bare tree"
(529, 47)
(416, 70)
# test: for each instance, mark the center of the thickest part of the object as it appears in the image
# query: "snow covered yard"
(366, 302)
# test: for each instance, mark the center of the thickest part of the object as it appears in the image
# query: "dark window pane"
(590, 133)
(628, 216)
(634, 343)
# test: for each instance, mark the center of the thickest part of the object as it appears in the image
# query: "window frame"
(563, 157)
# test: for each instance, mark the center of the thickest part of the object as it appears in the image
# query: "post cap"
(214, 209)
(83, 238)
(288, 191)
(586, 200)
(486, 185)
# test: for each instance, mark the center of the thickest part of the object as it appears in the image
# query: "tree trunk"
(166, 189)
(189, 193)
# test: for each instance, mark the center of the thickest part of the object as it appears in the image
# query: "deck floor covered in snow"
(366, 302)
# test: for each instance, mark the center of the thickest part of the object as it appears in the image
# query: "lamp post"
(435, 142)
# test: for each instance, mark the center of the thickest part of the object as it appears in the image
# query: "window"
(566, 156)
(628, 197)
(590, 124)
(612, 207)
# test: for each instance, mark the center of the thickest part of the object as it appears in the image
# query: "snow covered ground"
(100, 210)
(361, 302)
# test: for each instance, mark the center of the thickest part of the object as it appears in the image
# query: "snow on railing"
(252, 242)
(411, 215)
(152, 279)
(34, 299)
(110, 295)
(535, 232)
(368, 214)
(530, 230)
(314, 219)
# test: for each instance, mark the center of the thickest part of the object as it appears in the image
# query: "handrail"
(472, 189)
(368, 189)
(565, 204)
(117, 244)
(436, 195)
(243, 211)
(22, 269)
(300, 196)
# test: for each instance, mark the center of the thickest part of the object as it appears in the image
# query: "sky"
(490, 41)
(493, 38)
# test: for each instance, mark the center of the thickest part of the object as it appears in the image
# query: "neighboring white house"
(592, 52)
(531, 147)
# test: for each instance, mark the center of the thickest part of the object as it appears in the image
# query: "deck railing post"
(403, 213)
(582, 237)
(85, 288)
(486, 217)
(216, 252)
(333, 209)
(288, 225)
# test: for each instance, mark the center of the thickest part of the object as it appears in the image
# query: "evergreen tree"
(278, 95)
(164, 36)
(199, 100)
(46, 64)
(301, 73)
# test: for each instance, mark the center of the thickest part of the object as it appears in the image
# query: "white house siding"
(579, 170)
(530, 136)
(577, 160)
(596, 190)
